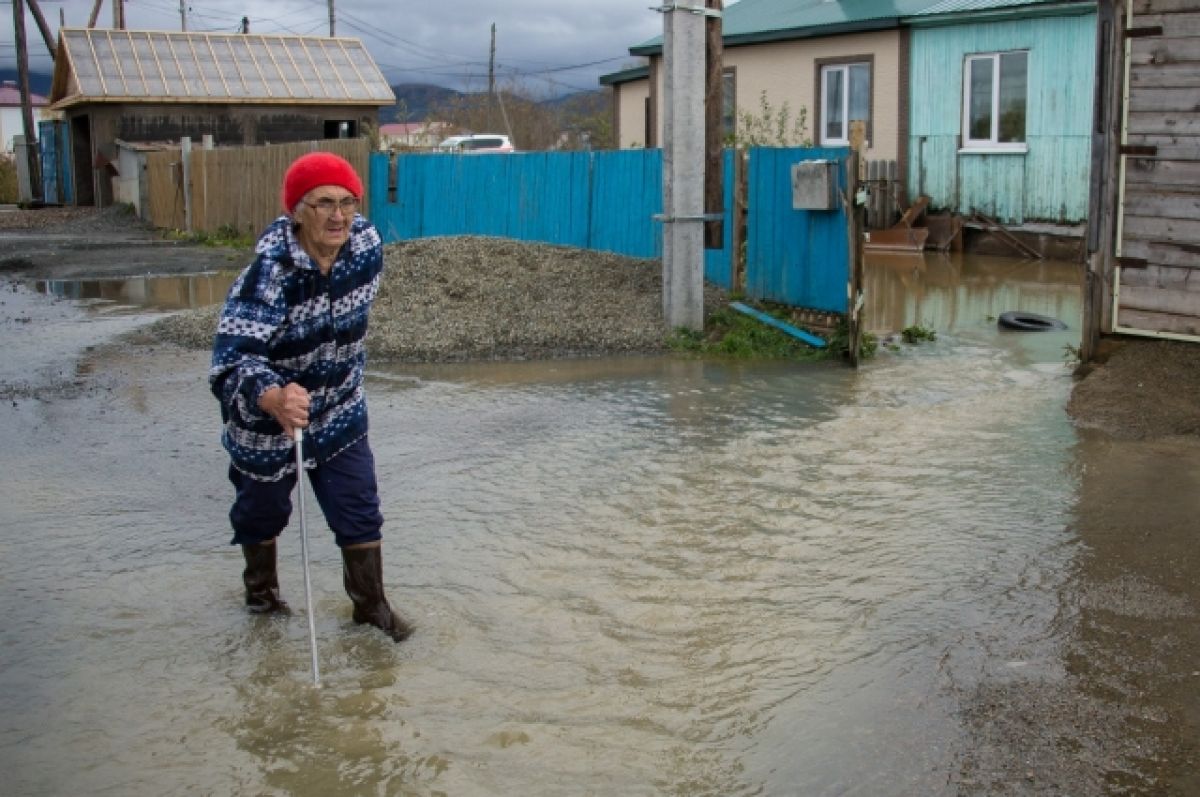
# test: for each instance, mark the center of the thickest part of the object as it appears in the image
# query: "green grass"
(918, 334)
(728, 333)
(226, 235)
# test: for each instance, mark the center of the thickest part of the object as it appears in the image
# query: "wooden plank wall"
(1160, 241)
(233, 188)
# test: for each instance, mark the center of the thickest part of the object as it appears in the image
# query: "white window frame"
(992, 144)
(844, 68)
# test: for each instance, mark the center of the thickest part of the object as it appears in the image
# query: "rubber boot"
(261, 580)
(362, 572)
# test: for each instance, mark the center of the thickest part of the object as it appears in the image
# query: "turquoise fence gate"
(608, 201)
(795, 257)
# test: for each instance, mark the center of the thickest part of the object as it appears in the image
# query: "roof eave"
(78, 99)
(993, 14)
(625, 76)
(788, 34)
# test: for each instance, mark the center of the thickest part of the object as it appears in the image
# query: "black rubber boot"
(261, 580)
(362, 572)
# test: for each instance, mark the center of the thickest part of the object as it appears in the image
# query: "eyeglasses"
(326, 206)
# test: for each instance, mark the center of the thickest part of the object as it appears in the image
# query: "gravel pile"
(479, 298)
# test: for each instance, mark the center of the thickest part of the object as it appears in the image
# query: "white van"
(477, 144)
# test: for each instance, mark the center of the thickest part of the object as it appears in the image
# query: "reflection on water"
(956, 292)
(148, 292)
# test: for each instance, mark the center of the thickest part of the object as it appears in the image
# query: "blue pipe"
(795, 332)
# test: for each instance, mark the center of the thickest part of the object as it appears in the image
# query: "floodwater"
(632, 576)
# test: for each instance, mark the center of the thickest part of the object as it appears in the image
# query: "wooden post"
(42, 26)
(714, 167)
(854, 219)
(31, 149)
(185, 155)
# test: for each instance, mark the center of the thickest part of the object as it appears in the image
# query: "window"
(845, 97)
(994, 90)
(339, 128)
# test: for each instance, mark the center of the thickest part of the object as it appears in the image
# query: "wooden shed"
(240, 89)
(1144, 231)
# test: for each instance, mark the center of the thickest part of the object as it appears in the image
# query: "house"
(1001, 93)
(412, 135)
(1143, 233)
(239, 89)
(985, 105)
(11, 116)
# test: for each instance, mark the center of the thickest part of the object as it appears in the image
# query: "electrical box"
(813, 185)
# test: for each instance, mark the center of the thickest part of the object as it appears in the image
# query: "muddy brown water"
(630, 576)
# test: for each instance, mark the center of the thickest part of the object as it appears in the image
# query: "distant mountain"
(413, 101)
(38, 83)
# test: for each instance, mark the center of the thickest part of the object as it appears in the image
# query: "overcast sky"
(550, 46)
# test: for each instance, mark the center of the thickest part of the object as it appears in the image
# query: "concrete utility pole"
(683, 164)
(118, 14)
(331, 20)
(183, 15)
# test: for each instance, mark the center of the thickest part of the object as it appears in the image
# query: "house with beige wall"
(984, 105)
(831, 62)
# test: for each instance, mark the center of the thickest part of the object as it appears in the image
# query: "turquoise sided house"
(984, 105)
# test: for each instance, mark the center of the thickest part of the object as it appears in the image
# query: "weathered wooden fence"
(885, 203)
(231, 187)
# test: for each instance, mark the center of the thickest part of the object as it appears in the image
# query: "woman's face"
(324, 216)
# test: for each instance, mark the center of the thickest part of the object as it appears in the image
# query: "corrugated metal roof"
(100, 65)
(967, 6)
(748, 21)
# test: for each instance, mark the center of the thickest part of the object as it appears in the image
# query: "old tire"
(1029, 322)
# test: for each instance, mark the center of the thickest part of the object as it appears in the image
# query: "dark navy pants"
(345, 488)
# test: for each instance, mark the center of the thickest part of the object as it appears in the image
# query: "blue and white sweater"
(284, 321)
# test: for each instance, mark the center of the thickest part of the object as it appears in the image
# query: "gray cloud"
(544, 46)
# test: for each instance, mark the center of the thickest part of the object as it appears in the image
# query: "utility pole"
(683, 164)
(118, 14)
(492, 78)
(714, 134)
(331, 21)
(43, 28)
(183, 15)
(35, 178)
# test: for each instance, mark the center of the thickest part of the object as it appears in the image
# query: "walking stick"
(308, 603)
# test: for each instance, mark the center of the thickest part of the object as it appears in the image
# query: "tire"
(1029, 322)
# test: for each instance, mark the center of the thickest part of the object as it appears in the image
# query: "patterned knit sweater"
(284, 321)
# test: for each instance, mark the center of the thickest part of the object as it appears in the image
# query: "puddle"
(149, 292)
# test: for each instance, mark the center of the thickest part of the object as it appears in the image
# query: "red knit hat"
(316, 169)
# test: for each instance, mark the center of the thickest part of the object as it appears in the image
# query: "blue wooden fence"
(607, 201)
(795, 257)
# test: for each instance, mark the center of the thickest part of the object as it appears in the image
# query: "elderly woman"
(289, 353)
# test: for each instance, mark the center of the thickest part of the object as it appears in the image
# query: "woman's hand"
(288, 405)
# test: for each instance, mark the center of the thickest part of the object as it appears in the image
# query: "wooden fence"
(233, 188)
(885, 203)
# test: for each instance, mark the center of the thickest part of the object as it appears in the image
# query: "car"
(476, 144)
